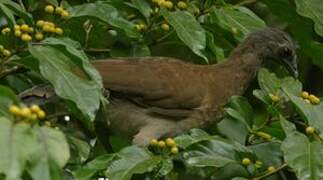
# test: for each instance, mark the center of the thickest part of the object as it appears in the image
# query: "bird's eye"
(285, 52)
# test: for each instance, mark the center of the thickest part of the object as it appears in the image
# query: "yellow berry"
(161, 144)
(59, 10)
(274, 98)
(34, 108)
(154, 142)
(6, 52)
(307, 101)
(155, 1)
(51, 24)
(26, 37)
(313, 99)
(24, 27)
(33, 117)
(258, 164)
(59, 31)
(41, 114)
(30, 30)
(49, 9)
(137, 26)
(234, 30)
(1, 48)
(271, 169)
(48, 124)
(160, 2)
(170, 142)
(40, 23)
(165, 27)
(182, 5)
(25, 112)
(5, 31)
(65, 14)
(16, 27)
(39, 36)
(305, 94)
(168, 4)
(246, 161)
(15, 110)
(174, 150)
(264, 135)
(47, 28)
(18, 33)
(310, 130)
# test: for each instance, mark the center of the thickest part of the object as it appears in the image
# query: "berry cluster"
(27, 114)
(169, 4)
(57, 10)
(169, 145)
(310, 98)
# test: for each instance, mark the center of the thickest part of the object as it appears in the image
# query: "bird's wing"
(155, 82)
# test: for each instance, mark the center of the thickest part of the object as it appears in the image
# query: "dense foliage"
(274, 132)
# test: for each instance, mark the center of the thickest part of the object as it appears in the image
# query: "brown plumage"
(155, 97)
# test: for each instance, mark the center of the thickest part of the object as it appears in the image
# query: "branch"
(9, 71)
(271, 173)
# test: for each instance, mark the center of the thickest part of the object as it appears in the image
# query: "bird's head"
(274, 44)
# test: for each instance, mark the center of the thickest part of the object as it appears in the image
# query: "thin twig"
(271, 173)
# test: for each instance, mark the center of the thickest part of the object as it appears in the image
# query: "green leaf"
(287, 126)
(91, 168)
(194, 136)
(9, 14)
(240, 109)
(212, 153)
(7, 98)
(77, 56)
(312, 9)
(56, 66)
(105, 13)
(313, 114)
(305, 157)
(133, 160)
(51, 156)
(239, 17)
(188, 30)
(233, 129)
(269, 153)
(17, 145)
(143, 7)
(16, 8)
(166, 167)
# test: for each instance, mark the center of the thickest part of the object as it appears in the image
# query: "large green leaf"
(188, 30)
(312, 9)
(240, 109)
(7, 98)
(132, 160)
(313, 114)
(51, 156)
(194, 136)
(17, 145)
(213, 153)
(269, 153)
(91, 168)
(56, 66)
(143, 7)
(238, 17)
(305, 157)
(77, 56)
(233, 129)
(105, 13)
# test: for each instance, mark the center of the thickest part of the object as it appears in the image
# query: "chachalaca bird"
(155, 97)
(158, 96)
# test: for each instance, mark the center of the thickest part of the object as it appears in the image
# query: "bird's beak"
(291, 65)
